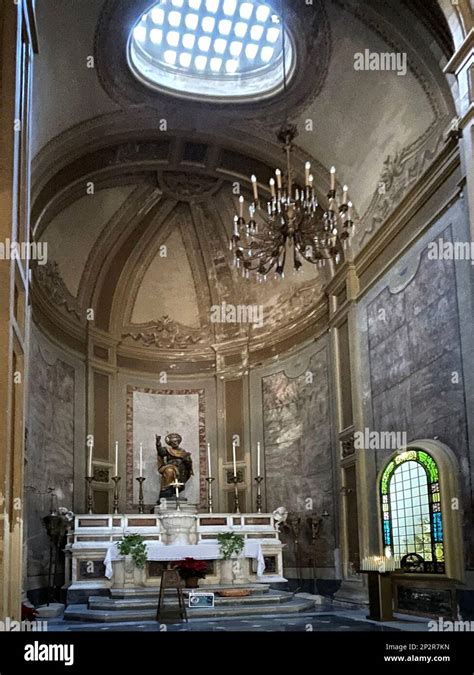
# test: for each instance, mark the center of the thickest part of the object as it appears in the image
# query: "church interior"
(236, 314)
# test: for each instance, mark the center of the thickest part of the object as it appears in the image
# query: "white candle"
(89, 471)
(234, 459)
(209, 468)
(141, 460)
(272, 187)
(333, 178)
(278, 175)
(345, 190)
(116, 458)
(307, 168)
(258, 458)
(241, 206)
(349, 211)
(255, 188)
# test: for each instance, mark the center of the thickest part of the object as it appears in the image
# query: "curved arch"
(448, 468)
(459, 19)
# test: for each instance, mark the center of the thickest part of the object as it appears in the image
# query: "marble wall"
(49, 451)
(299, 455)
(151, 412)
(414, 340)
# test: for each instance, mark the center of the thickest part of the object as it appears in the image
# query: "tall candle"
(258, 458)
(209, 468)
(141, 460)
(254, 187)
(278, 175)
(89, 470)
(307, 169)
(116, 458)
(234, 459)
(333, 178)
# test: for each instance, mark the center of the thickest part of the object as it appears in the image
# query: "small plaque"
(201, 599)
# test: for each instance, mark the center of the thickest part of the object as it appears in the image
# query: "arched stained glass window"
(411, 509)
(226, 50)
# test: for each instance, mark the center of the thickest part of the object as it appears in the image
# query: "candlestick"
(259, 480)
(234, 459)
(90, 502)
(141, 460)
(235, 480)
(258, 459)
(209, 469)
(209, 480)
(116, 458)
(116, 480)
(141, 503)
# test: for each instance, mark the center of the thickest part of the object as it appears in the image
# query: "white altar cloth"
(208, 551)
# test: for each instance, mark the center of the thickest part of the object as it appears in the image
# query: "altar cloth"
(208, 551)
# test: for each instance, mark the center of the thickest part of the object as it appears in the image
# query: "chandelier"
(290, 224)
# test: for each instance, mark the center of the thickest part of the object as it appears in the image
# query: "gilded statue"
(174, 465)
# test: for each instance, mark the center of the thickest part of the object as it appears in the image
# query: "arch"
(441, 469)
(459, 19)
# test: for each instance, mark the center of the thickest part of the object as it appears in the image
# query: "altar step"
(105, 610)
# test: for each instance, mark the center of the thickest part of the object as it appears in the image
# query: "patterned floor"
(275, 623)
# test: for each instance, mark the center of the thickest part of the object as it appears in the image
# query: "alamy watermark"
(15, 250)
(396, 62)
(12, 626)
(449, 250)
(227, 313)
(444, 626)
(380, 440)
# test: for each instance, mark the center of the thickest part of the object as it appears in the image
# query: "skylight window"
(219, 49)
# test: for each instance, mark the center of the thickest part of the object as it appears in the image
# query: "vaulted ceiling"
(121, 173)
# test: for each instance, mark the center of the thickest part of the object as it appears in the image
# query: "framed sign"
(201, 599)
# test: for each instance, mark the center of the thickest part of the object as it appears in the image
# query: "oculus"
(226, 50)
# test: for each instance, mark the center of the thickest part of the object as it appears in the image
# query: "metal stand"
(235, 481)
(259, 480)
(209, 480)
(141, 503)
(90, 503)
(170, 579)
(116, 480)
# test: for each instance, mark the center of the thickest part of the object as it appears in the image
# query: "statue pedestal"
(179, 527)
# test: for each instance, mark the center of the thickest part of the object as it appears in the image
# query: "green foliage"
(231, 544)
(134, 545)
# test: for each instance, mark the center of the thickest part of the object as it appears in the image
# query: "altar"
(95, 565)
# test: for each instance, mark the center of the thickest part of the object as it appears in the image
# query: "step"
(83, 613)
(154, 591)
(113, 604)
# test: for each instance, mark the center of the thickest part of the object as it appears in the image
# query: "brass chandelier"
(291, 223)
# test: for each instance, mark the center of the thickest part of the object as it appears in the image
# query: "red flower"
(189, 567)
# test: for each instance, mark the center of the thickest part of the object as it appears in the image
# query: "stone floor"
(333, 621)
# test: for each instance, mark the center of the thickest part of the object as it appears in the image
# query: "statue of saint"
(174, 464)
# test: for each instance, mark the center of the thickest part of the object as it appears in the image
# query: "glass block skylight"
(221, 49)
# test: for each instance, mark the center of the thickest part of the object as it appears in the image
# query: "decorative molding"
(166, 333)
(188, 187)
(52, 285)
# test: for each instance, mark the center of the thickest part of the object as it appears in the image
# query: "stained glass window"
(222, 49)
(411, 509)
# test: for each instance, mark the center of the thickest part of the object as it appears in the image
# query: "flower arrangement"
(190, 568)
(134, 545)
(231, 544)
